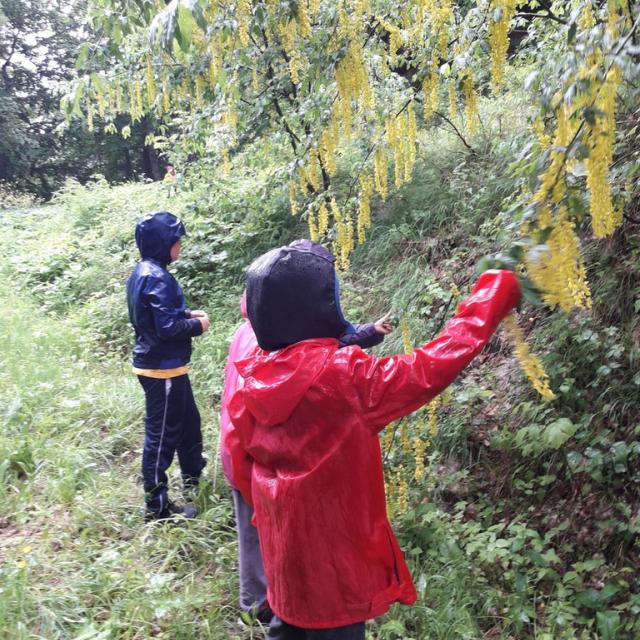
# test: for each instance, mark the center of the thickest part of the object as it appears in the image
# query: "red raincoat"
(309, 416)
(236, 465)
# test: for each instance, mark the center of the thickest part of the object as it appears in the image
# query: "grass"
(76, 560)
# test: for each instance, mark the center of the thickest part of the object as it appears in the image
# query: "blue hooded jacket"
(157, 308)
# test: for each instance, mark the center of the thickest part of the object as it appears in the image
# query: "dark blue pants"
(281, 630)
(171, 423)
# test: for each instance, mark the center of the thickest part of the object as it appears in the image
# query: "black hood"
(156, 233)
(292, 295)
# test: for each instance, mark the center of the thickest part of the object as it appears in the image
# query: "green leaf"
(571, 33)
(558, 432)
(608, 624)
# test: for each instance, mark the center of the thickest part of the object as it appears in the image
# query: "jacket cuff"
(196, 327)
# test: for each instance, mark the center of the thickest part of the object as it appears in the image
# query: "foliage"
(38, 51)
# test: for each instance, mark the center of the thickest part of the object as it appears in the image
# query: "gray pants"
(253, 584)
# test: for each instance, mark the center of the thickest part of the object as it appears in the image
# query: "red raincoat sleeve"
(389, 388)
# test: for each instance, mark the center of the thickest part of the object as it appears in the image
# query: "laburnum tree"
(372, 77)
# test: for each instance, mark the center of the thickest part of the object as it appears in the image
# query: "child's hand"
(383, 325)
(198, 314)
(204, 321)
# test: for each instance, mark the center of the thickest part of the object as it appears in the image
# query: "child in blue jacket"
(164, 328)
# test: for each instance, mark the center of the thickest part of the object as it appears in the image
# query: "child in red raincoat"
(253, 588)
(308, 416)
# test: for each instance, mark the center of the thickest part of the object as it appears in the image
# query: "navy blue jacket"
(157, 308)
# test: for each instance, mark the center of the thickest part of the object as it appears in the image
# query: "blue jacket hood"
(156, 233)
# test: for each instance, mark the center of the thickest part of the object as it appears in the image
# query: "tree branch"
(453, 126)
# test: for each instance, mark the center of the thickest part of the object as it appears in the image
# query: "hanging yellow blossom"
(292, 198)
(243, 16)
(499, 39)
(364, 207)
(558, 270)
(470, 101)
(313, 227)
(402, 490)
(405, 333)
(323, 219)
(453, 100)
(419, 449)
(151, 89)
(304, 21)
(601, 139)
(90, 109)
(432, 409)
(530, 363)
(381, 173)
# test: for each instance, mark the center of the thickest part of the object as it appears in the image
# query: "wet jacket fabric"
(237, 467)
(309, 416)
(157, 308)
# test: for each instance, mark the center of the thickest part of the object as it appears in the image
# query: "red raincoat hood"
(276, 381)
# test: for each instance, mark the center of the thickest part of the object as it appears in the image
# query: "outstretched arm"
(389, 388)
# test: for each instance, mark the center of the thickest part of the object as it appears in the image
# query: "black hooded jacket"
(157, 308)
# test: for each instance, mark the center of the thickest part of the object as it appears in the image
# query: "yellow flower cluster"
(432, 410)
(312, 173)
(601, 138)
(470, 101)
(586, 20)
(289, 34)
(453, 99)
(405, 334)
(292, 198)
(405, 442)
(402, 495)
(329, 140)
(381, 173)
(166, 97)
(136, 106)
(430, 93)
(304, 20)
(499, 40)
(530, 363)
(352, 78)
(323, 219)
(401, 132)
(344, 243)
(540, 132)
(559, 271)
(419, 449)
(90, 113)
(151, 90)
(552, 183)
(313, 226)
(101, 102)
(364, 207)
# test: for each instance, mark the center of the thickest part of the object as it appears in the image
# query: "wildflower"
(470, 101)
(313, 227)
(405, 333)
(323, 219)
(292, 198)
(530, 363)
(150, 81)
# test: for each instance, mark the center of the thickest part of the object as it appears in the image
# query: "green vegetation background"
(527, 523)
